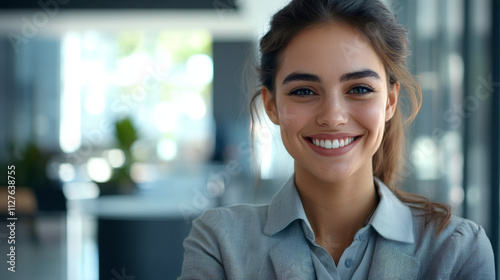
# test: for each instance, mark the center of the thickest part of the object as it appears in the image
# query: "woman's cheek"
(288, 114)
(372, 117)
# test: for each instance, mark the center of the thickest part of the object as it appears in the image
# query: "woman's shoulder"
(461, 248)
(463, 227)
(233, 211)
(234, 217)
(227, 243)
(455, 226)
(464, 232)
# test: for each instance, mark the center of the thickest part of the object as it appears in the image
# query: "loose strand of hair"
(437, 213)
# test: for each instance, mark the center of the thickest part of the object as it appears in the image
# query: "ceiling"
(226, 19)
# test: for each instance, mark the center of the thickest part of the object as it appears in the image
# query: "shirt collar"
(286, 207)
(392, 219)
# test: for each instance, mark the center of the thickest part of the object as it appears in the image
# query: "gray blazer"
(271, 242)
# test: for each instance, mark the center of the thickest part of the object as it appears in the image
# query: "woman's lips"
(332, 145)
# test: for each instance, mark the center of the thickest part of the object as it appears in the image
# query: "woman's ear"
(270, 105)
(392, 101)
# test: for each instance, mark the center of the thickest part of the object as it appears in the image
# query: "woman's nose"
(332, 112)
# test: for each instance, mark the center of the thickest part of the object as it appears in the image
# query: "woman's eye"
(302, 92)
(361, 90)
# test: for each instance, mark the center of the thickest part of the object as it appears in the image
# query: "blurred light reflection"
(115, 157)
(165, 117)
(70, 132)
(200, 69)
(99, 170)
(143, 173)
(80, 190)
(66, 172)
(193, 106)
(167, 149)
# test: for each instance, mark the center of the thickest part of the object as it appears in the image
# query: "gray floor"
(41, 250)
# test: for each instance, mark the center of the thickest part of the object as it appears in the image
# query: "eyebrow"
(346, 77)
(359, 75)
(301, 77)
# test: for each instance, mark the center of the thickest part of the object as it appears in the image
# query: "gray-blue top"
(276, 241)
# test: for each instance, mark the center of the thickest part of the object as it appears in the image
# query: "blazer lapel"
(291, 258)
(393, 260)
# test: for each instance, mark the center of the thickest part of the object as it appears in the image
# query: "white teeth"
(328, 144)
(333, 144)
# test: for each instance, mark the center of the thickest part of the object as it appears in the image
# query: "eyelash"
(296, 92)
(365, 90)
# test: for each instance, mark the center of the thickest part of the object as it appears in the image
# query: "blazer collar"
(291, 257)
(394, 260)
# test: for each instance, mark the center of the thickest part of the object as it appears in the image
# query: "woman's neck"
(336, 210)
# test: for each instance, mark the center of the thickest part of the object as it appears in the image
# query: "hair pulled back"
(388, 38)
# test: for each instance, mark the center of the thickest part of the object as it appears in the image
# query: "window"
(161, 81)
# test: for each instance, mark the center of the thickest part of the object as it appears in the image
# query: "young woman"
(332, 74)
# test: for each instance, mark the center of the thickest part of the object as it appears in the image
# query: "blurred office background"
(126, 119)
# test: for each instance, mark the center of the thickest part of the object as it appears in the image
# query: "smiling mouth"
(332, 144)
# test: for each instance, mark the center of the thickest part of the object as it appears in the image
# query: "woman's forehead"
(334, 48)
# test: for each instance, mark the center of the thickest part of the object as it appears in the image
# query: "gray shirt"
(356, 260)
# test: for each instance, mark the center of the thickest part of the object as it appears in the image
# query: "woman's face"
(332, 101)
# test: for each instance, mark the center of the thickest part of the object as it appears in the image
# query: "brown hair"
(388, 39)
